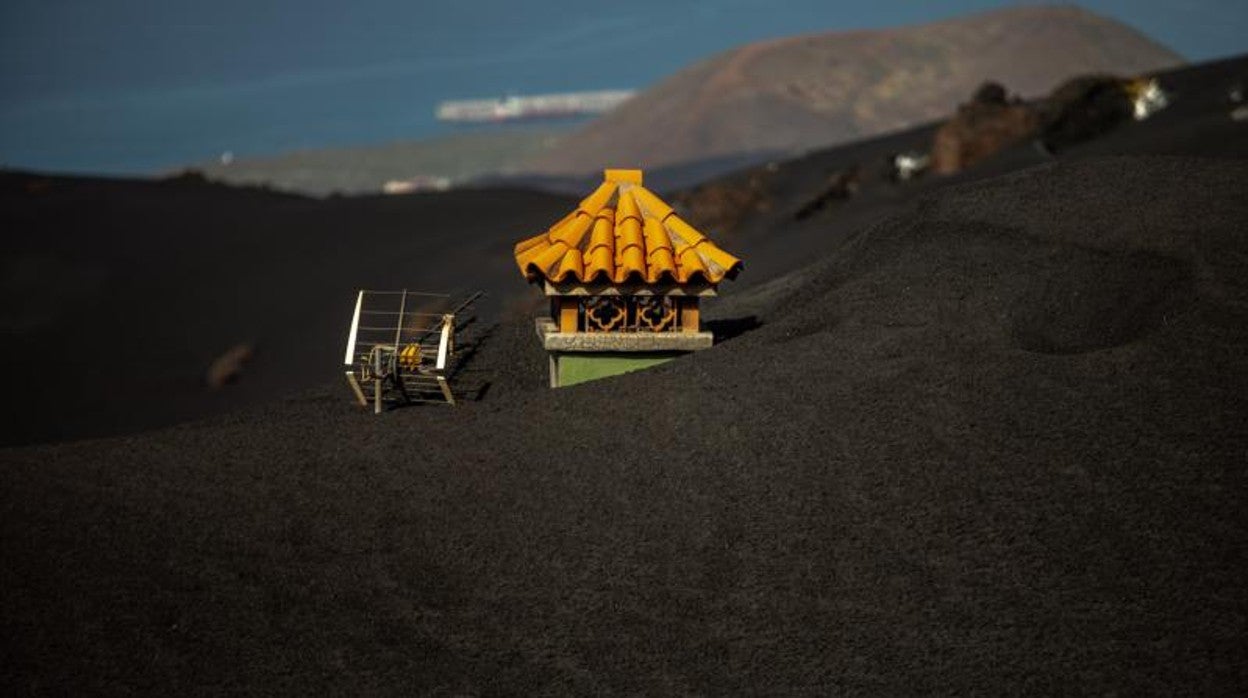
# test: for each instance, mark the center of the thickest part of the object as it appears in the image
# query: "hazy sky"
(143, 85)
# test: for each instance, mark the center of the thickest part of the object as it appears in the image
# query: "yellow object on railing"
(409, 357)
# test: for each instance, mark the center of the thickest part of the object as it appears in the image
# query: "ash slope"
(994, 443)
(120, 293)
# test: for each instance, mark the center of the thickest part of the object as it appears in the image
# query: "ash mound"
(994, 441)
(1084, 301)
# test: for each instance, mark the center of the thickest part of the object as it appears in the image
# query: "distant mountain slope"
(364, 170)
(798, 93)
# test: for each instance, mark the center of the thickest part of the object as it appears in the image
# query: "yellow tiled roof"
(635, 238)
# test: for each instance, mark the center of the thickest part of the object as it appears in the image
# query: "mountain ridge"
(795, 93)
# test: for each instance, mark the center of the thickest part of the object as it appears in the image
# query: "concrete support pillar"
(690, 320)
(567, 314)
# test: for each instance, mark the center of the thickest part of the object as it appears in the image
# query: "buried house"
(625, 276)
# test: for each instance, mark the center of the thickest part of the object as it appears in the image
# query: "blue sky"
(144, 85)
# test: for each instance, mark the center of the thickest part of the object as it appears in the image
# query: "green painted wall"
(576, 368)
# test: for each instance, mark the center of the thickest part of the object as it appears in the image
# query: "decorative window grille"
(628, 314)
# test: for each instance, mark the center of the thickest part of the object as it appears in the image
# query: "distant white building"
(415, 184)
(532, 107)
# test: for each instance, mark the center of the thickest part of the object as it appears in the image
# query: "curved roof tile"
(640, 238)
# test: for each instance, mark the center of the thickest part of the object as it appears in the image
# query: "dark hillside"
(121, 293)
(994, 444)
(977, 434)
